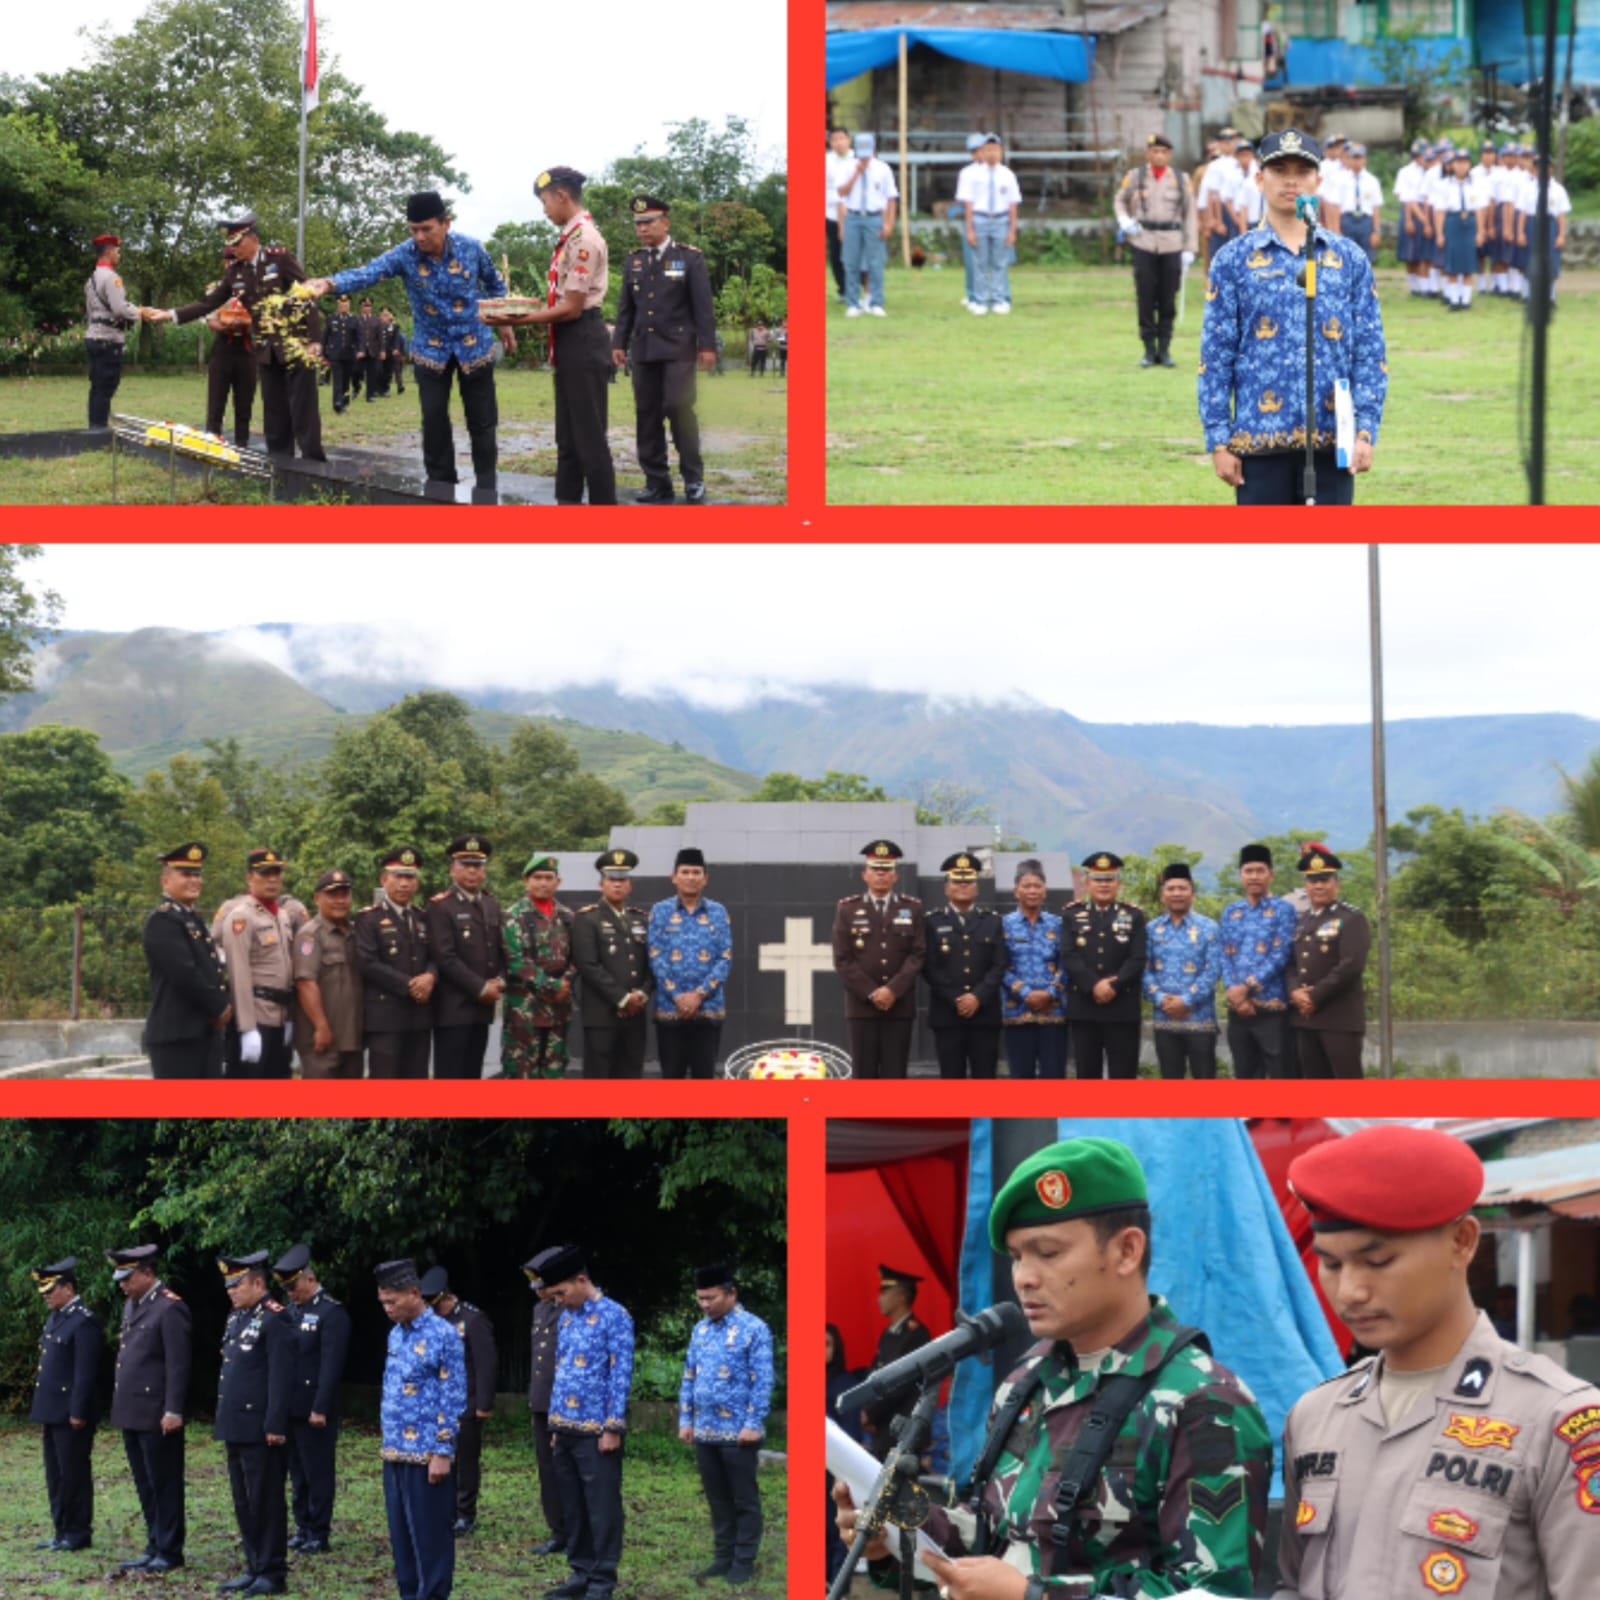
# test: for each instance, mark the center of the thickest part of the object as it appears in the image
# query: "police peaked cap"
(131, 1259)
(63, 1271)
(295, 1260)
(192, 855)
(433, 1283)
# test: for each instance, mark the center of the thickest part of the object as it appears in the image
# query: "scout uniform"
(189, 989)
(1103, 942)
(253, 1394)
(903, 1337)
(594, 1372)
(109, 314)
(321, 1342)
(392, 948)
(1156, 212)
(341, 339)
(1487, 1481)
(465, 933)
(424, 1393)
(477, 1344)
(726, 1390)
(538, 941)
(1168, 1488)
(1330, 954)
(580, 352)
(966, 955)
(666, 315)
(1252, 385)
(880, 941)
(325, 956)
(230, 371)
(1257, 947)
(1184, 960)
(282, 330)
(152, 1383)
(691, 952)
(541, 1381)
(66, 1389)
(257, 944)
(610, 952)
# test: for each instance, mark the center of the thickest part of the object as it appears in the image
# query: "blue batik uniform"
(727, 1377)
(444, 298)
(424, 1389)
(1252, 385)
(594, 1369)
(1185, 959)
(1257, 946)
(689, 951)
(1033, 962)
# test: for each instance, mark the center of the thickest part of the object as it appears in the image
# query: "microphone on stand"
(972, 1336)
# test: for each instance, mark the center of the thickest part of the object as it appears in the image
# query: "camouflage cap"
(1065, 1181)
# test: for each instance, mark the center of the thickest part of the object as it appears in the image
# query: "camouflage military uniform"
(538, 959)
(1181, 1502)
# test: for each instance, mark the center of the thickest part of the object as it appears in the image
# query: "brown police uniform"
(581, 352)
(108, 314)
(1330, 954)
(1488, 1487)
(1164, 210)
(874, 947)
(257, 946)
(468, 940)
(325, 954)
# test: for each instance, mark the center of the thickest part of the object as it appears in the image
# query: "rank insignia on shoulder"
(169, 1294)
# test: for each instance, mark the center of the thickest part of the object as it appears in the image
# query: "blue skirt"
(1408, 244)
(1460, 244)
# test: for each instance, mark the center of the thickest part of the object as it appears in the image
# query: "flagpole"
(300, 216)
(308, 97)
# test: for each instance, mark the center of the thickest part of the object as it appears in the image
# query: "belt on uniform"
(1161, 227)
(104, 322)
(281, 997)
(863, 213)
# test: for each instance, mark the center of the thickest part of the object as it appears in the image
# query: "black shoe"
(737, 1577)
(162, 1564)
(1148, 359)
(653, 495)
(550, 1547)
(694, 494)
(267, 1586)
(237, 1585)
(136, 1563)
(570, 1590)
(67, 1544)
(297, 1541)
(1164, 356)
(315, 1547)
(465, 1525)
(717, 1569)
(47, 1544)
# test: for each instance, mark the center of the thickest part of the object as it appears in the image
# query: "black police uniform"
(321, 1341)
(392, 948)
(666, 315)
(370, 344)
(188, 993)
(67, 1386)
(898, 1339)
(230, 371)
(152, 1380)
(397, 357)
(258, 1367)
(467, 936)
(341, 339)
(966, 955)
(477, 1340)
(541, 1380)
(1101, 943)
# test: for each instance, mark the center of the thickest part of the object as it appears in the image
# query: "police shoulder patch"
(169, 1294)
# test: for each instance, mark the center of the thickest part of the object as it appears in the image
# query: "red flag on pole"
(308, 74)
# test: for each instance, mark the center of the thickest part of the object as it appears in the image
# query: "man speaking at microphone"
(1121, 1459)
(1252, 383)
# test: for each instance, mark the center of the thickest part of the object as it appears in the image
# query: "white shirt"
(873, 190)
(1560, 204)
(1460, 194)
(989, 190)
(1216, 180)
(1407, 182)
(1336, 187)
(839, 168)
(1365, 193)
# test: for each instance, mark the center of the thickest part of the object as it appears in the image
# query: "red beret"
(103, 239)
(1393, 1178)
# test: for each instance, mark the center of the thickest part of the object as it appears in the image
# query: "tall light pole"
(1380, 814)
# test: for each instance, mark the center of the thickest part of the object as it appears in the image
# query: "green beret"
(1076, 1178)
(541, 861)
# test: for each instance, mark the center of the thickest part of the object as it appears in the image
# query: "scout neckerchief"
(555, 261)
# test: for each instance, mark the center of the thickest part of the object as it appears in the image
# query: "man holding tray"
(445, 275)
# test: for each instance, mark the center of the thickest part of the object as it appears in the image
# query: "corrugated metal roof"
(1564, 1181)
(1104, 20)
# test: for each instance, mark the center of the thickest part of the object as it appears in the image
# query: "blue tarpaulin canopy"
(1067, 56)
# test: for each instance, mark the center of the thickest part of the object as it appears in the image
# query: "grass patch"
(668, 1527)
(1049, 406)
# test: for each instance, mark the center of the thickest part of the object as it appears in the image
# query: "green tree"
(26, 619)
(1583, 803)
(1562, 868)
(830, 786)
(941, 802)
(762, 296)
(546, 802)
(443, 722)
(45, 217)
(1455, 865)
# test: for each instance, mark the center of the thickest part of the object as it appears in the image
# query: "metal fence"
(74, 962)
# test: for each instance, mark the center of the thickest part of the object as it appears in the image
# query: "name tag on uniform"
(308, 1324)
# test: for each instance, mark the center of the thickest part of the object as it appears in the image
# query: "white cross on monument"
(798, 959)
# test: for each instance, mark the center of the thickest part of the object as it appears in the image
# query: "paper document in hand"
(858, 1470)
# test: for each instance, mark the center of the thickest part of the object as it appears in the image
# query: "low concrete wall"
(45, 1048)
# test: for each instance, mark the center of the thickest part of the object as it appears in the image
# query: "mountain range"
(1049, 776)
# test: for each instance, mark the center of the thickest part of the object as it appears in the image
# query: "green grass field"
(931, 405)
(742, 423)
(667, 1531)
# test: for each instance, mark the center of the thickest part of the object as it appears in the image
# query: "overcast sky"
(579, 89)
(1206, 633)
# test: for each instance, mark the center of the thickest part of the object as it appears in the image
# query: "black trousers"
(458, 1051)
(591, 1506)
(1279, 480)
(1257, 1045)
(397, 371)
(967, 1050)
(549, 1488)
(663, 397)
(419, 1531)
(467, 1474)
(231, 372)
(1105, 1049)
(289, 411)
(728, 1476)
(312, 1452)
(582, 352)
(346, 381)
(1186, 1054)
(880, 1047)
(258, 1476)
(1037, 1050)
(1326, 1054)
(688, 1049)
(616, 1052)
(398, 1055)
(374, 372)
(187, 1058)
(277, 1059)
(836, 255)
(1155, 282)
(481, 408)
(105, 374)
(69, 1482)
(156, 1462)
